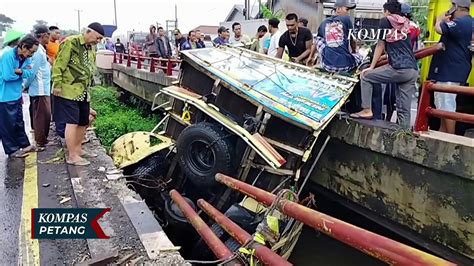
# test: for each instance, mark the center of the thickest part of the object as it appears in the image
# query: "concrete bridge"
(419, 186)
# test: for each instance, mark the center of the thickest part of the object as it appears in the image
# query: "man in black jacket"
(163, 44)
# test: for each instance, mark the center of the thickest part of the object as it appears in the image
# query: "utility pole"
(79, 20)
(115, 11)
(176, 15)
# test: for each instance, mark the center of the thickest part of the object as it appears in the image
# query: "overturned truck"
(258, 119)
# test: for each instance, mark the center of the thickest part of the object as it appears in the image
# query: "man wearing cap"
(39, 89)
(336, 49)
(453, 65)
(72, 78)
(11, 40)
(222, 38)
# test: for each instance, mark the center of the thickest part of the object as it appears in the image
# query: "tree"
(5, 23)
(40, 23)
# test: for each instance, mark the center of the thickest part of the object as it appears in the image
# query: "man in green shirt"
(72, 77)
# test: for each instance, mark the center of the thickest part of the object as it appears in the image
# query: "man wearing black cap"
(453, 65)
(222, 38)
(72, 78)
(39, 89)
(333, 42)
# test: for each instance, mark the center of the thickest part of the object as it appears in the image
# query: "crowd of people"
(57, 73)
(333, 49)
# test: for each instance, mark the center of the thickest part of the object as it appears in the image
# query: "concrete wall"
(424, 184)
(140, 82)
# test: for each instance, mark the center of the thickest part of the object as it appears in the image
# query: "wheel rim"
(201, 156)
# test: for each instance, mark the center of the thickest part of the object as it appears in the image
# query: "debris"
(46, 185)
(59, 156)
(101, 169)
(114, 172)
(114, 176)
(136, 261)
(101, 260)
(125, 259)
(170, 249)
(64, 200)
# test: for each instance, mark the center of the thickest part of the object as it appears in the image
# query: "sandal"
(19, 154)
(358, 116)
(82, 162)
(89, 155)
(40, 149)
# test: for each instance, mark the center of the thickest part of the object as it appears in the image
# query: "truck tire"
(152, 167)
(204, 150)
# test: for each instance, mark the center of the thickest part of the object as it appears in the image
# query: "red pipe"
(139, 62)
(129, 60)
(264, 254)
(420, 54)
(450, 88)
(169, 70)
(152, 65)
(120, 58)
(115, 58)
(214, 243)
(460, 117)
(380, 247)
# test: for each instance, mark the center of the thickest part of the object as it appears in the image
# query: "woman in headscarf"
(15, 65)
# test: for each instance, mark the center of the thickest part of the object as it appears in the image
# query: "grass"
(114, 118)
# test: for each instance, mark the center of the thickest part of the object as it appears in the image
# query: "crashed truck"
(241, 122)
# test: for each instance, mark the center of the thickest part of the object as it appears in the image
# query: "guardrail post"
(421, 123)
(129, 61)
(120, 58)
(139, 62)
(152, 65)
(115, 58)
(169, 69)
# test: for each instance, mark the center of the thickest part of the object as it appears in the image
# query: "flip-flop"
(20, 155)
(40, 149)
(358, 116)
(89, 155)
(82, 162)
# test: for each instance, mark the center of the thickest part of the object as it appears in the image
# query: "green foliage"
(115, 119)
(268, 14)
(420, 14)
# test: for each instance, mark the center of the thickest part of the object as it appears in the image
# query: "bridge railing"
(165, 64)
(425, 110)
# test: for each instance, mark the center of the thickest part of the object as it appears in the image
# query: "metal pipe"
(214, 243)
(450, 88)
(420, 54)
(460, 117)
(377, 246)
(264, 254)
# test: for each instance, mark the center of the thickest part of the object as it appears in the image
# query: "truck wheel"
(204, 150)
(153, 167)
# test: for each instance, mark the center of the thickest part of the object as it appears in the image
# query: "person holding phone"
(453, 65)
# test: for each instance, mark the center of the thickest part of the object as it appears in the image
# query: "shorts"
(446, 101)
(71, 112)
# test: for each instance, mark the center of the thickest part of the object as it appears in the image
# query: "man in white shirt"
(238, 37)
(275, 36)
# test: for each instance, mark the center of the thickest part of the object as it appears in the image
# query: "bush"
(115, 119)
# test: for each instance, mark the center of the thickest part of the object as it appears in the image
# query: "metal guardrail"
(377, 246)
(425, 110)
(165, 64)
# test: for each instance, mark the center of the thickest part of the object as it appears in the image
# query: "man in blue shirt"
(222, 39)
(453, 65)
(333, 43)
(15, 65)
(39, 90)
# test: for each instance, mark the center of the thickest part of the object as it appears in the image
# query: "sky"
(131, 14)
